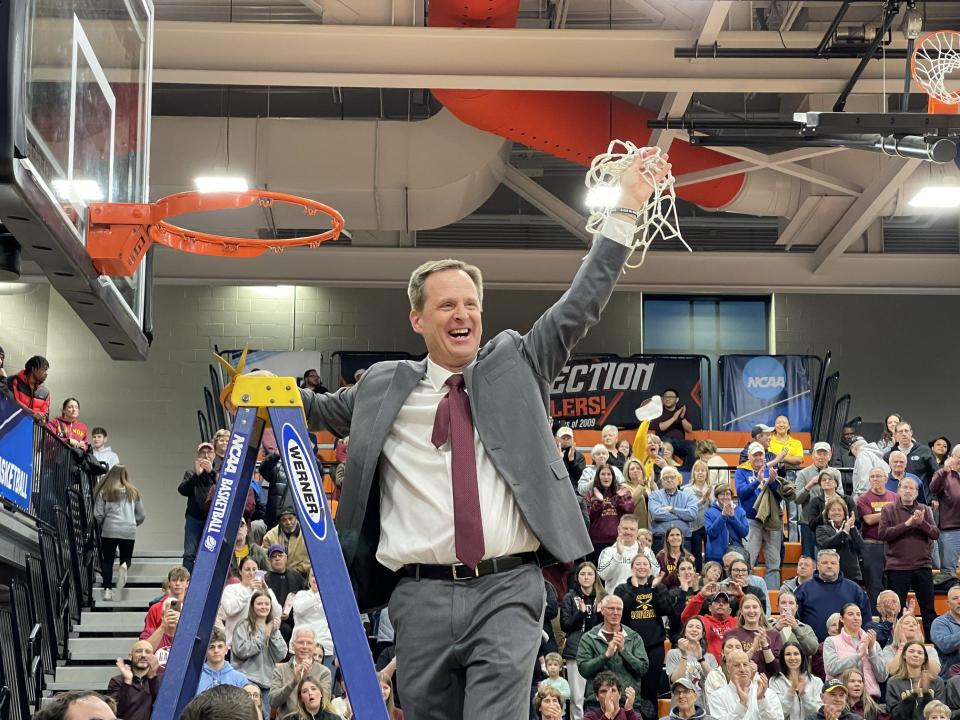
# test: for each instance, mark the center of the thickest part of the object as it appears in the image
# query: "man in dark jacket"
(834, 699)
(907, 529)
(194, 487)
(826, 592)
(284, 583)
(573, 459)
(920, 460)
(136, 687)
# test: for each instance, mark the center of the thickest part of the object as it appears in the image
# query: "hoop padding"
(936, 57)
(119, 234)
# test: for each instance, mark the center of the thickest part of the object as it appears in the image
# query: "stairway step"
(83, 677)
(138, 595)
(175, 554)
(128, 622)
(105, 649)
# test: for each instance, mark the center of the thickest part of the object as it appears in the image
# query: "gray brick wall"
(895, 353)
(23, 324)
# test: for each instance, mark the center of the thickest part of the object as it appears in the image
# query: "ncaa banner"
(591, 392)
(16, 453)
(755, 389)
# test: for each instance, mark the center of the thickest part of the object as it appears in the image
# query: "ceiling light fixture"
(937, 196)
(220, 183)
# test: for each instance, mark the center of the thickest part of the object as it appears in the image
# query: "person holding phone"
(235, 602)
(196, 482)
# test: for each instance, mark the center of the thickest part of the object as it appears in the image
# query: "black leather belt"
(462, 572)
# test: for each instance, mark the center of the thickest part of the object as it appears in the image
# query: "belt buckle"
(453, 570)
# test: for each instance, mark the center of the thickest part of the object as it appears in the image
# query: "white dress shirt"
(725, 704)
(416, 489)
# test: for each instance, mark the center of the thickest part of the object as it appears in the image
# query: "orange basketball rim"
(119, 234)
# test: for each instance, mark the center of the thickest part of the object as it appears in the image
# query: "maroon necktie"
(454, 421)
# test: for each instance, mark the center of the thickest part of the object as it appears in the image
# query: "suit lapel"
(404, 380)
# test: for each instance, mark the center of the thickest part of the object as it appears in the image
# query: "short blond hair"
(935, 706)
(415, 291)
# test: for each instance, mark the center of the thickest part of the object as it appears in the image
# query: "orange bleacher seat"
(787, 572)
(333, 508)
(664, 707)
(791, 552)
(774, 596)
(940, 603)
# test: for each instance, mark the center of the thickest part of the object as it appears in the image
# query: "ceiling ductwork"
(381, 175)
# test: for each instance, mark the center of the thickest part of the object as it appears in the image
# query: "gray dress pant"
(467, 648)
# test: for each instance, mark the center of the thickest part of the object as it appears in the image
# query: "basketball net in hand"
(657, 218)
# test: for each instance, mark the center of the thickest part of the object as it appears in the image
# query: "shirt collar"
(437, 375)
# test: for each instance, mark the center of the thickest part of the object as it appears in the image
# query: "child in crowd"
(118, 509)
(554, 664)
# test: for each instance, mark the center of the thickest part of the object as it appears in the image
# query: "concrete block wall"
(23, 322)
(895, 353)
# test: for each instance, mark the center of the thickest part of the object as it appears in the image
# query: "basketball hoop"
(937, 57)
(119, 234)
(658, 217)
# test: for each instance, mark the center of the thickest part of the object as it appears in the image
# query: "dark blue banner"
(16, 453)
(755, 389)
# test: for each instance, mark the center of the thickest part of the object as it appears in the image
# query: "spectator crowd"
(670, 605)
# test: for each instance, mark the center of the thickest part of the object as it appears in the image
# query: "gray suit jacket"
(509, 387)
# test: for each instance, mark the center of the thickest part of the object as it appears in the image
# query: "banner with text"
(755, 389)
(16, 453)
(592, 392)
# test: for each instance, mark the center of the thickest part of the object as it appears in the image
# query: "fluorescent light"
(220, 183)
(603, 196)
(937, 196)
(78, 189)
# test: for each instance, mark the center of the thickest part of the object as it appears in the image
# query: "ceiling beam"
(482, 58)
(835, 184)
(863, 211)
(546, 202)
(539, 269)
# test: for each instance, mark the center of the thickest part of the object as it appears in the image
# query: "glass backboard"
(80, 124)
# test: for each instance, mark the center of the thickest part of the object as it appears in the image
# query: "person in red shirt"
(869, 506)
(68, 427)
(178, 580)
(28, 388)
(718, 622)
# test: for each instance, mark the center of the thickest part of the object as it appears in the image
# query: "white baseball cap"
(825, 446)
(755, 448)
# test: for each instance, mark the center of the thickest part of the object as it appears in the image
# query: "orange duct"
(571, 125)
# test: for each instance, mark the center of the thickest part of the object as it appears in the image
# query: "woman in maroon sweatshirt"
(607, 503)
(907, 529)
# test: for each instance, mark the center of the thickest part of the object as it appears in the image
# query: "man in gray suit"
(454, 484)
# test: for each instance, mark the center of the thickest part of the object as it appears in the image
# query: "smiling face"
(693, 630)
(627, 532)
(71, 410)
(450, 321)
(304, 645)
(640, 567)
(751, 611)
(834, 702)
(262, 606)
(835, 514)
(914, 655)
(892, 421)
(792, 657)
(605, 476)
(852, 619)
(609, 437)
(781, 425)
(623, 447)
(674, 538)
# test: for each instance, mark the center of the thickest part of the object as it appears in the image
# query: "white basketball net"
(658, 217)
(938, 56)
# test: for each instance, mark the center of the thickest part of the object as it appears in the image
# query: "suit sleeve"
(330, 411)
(547, 346)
